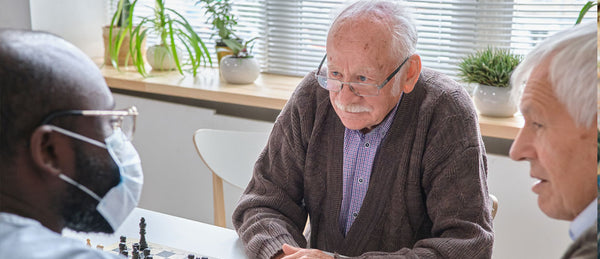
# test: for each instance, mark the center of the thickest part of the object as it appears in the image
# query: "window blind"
(292, 33)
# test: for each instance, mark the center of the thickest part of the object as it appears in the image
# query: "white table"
(184, 234)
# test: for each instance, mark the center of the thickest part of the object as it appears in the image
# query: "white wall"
(77, 21)
(15, 14)
(178, 183)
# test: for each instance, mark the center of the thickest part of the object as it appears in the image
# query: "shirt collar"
(583, 221)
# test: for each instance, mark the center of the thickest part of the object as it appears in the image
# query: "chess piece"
(149, 257)
(146, 252)
(191, 256)
(135, 254)
(122, 247)
(136, 247)
(100, 247)
(143, 244)
(88, 243)
(125, 253)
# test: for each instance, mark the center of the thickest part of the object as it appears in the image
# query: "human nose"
(522, 148)
(347, 92)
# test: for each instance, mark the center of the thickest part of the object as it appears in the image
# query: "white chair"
(230, 156)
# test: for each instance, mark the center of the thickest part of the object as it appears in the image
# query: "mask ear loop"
(78, 136)
(81, 187)
(85, 139)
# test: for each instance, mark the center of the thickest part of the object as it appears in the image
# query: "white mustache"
(354, 108)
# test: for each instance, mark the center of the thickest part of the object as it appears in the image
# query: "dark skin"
(30, 186)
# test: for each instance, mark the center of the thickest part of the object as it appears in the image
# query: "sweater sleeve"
(271, 210)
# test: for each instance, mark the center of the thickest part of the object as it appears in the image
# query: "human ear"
(413, 73)
(43, 149)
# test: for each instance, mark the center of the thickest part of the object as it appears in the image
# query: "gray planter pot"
(239, 70)
(494, 101)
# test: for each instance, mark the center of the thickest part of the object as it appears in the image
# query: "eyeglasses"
(360, 89)
(123, 119)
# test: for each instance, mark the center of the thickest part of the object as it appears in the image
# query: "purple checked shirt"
(359, 153)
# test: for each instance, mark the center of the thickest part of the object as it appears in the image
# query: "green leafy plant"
(120, 26)
(221, 17)
(172, 29)
(240, 49)
(490, 66)
(586, 7)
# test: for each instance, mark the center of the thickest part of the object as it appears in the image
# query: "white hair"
(572, 70)
(392, 13)
(396, 15)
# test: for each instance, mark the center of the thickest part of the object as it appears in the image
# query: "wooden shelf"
(268, 91)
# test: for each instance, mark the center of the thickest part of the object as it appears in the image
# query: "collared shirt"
(584, 220)
(359, 153)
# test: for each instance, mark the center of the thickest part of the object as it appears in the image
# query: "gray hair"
(572, 70)
(394, 14)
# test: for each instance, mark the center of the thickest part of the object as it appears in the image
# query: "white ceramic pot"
(160, 58)
(239, 70)
(494, 101)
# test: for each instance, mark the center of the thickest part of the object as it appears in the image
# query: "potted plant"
(223, 22)
(173, 30)
(490, 69)
(240, 67)
(117, 35)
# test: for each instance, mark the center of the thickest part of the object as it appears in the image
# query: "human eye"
(362, 79)
(536, 125)
(335, 74)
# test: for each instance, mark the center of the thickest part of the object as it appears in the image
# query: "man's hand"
(290, 252)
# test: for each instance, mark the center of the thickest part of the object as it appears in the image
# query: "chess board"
(157, 251)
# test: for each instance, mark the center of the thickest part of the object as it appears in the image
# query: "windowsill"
(268, 91)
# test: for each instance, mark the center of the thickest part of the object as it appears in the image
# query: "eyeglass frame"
(387, 80)
(130, 111)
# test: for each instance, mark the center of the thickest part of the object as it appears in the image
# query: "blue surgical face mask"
(119, 201)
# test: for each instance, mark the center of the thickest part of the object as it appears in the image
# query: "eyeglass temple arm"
(393, 74)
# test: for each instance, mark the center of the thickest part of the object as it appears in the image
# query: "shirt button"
(360, 180)
(355, 214)
(367, 144)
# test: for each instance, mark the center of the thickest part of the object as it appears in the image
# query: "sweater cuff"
(273, 246)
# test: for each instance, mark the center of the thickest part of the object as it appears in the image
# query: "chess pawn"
(100, 247)
(125, 253)
(135, 254)
(136, 247)
(146, 252)
(191, 256)
(122, 247)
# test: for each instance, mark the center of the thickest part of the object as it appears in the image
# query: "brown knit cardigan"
(427, 196)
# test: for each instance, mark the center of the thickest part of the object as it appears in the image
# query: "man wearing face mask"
(65, 154)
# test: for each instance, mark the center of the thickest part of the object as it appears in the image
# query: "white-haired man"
(559, 136)
(386, 158)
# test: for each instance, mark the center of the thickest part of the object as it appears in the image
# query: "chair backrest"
(230, 156)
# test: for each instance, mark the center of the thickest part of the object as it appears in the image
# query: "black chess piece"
(125, 253)
(136, 246)
(135, 254)
(146, 252)
(191, 256)
(122, 247)
(149, 257)
(143, 244)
